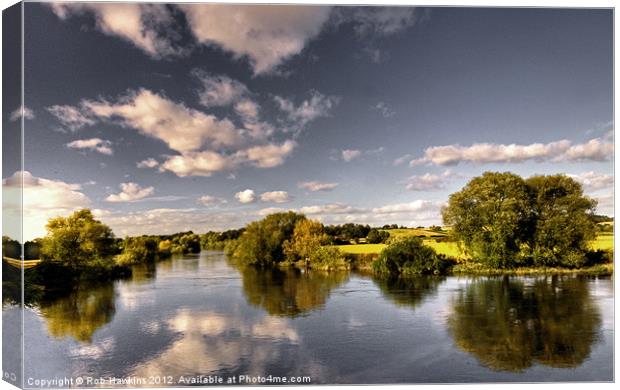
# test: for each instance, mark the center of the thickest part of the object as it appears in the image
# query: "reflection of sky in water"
(192, 316)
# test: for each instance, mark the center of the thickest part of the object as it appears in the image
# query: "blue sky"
(164, 118)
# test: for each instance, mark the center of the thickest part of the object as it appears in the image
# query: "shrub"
(262, 243)
(137, 250)
(327, 258)
(409, 256)
(377, 236)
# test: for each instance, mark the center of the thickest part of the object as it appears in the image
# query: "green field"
(604, 241)
(361, 249)
(414, 232)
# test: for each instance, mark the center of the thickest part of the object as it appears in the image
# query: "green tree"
(564, 221)
(492, 217)
(11, 248)
(77, 239)
(376, 236)
(409, 256)
(308, 236)
(137, 250)
(262, 242)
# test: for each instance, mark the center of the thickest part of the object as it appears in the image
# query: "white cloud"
(270, 210)
(247, 110)
(349, 155)
(218, 90)
(330, 209)
(275, 197)
(183, 129)
(71, 117)
(148, 163)
(317, 106)
(268, 156)
(428, 182)
(209, 200)
(401, 160)
(246, 196)
(203, 163)
(315, 186)
(172, 220)
(147, 26)
(416, 205)
(418, 212)
(42, 199)
(266, 35)
(17, 114)
(94, 144)
(597, 149)
(592, 181)
(130, 192)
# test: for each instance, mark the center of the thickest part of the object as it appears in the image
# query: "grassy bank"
(362, 255)
(471, 268)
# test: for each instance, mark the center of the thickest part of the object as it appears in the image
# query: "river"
(199, 315)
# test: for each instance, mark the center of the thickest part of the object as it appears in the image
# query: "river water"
(199, 315)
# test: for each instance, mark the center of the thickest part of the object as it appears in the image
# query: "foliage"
(327, 258)
(504, 221)
(262, 242)
(492, 217)
(11, 248)
(409, 256)
(347, 232)
(308, 236)
(564, 221)
(218, 240)
(376, 236)
(77, 240)
(137, 250)
(185, 243)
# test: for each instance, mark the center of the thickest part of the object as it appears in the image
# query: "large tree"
(492, 217)
(77, 239)
(262, 242)
(564, 222)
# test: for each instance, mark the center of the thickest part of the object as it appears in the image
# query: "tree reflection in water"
(508, 325)
(289, 292)
(80, 313)
(410, 291)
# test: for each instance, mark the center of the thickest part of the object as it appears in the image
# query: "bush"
(377, 236)
(137, 250)
(409, 256)
(262, 242)
(327, 258)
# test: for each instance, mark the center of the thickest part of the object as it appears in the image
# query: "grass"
(604, 241)
(361, 249)
(471, 268)
(414, 232)
(445, 248)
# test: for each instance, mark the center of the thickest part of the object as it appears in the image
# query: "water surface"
(199, 315)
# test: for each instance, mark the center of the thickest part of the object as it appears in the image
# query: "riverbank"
(479, 269)
(363, 262)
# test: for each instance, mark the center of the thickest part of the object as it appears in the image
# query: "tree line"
(500, 219)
